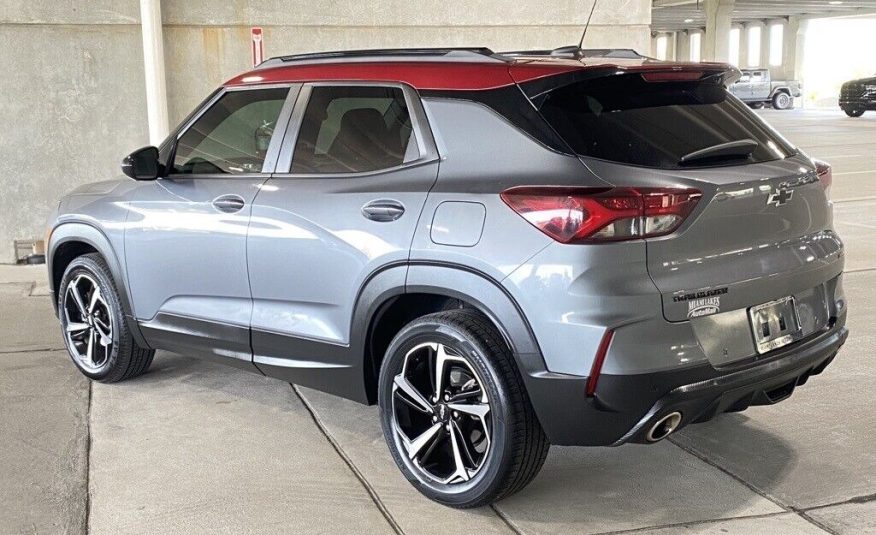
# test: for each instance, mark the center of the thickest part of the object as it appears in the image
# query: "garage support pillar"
(716, 40)
(682, 45)
(153, 63)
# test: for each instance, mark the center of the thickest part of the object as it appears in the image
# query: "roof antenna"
(584, 33)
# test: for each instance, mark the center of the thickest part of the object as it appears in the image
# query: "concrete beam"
(153, 64)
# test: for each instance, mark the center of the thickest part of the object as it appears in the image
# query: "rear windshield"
(626, 119)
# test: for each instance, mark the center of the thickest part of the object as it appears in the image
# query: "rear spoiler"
(537, 79)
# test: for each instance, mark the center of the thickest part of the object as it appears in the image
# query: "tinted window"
(233, 135)
(354, 129)
(626, 119)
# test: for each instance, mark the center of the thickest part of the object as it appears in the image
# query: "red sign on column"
(258, 46)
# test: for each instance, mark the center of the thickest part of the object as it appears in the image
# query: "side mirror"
(142, 164)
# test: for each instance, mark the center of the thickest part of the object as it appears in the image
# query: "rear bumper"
(625, 407)
(858, 104)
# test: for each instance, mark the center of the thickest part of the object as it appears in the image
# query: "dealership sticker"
(703, 307)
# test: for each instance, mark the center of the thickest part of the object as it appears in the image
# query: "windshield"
(625, 119)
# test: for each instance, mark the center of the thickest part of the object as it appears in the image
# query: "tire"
(516, 447)
(756, 105)
(114, 356)
(782, 101)
(854, 113)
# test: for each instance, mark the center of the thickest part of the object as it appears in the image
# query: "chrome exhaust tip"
(663, 427)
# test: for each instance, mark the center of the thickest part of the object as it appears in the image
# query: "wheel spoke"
(105, 336)
(465, 445)
(479, 409)
(461, 396)
(460, 471)
(415, 396)
(440, 361)
(413, 447)
(89, 354)
(76, 327)
(77, 298)
(95, 298)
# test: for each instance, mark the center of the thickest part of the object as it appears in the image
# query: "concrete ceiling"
(673, 15)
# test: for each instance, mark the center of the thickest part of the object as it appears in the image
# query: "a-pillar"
(716, 40)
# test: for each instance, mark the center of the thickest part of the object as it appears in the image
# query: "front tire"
(94, 326)
(455, 413)
(782, 101)
(854, 113)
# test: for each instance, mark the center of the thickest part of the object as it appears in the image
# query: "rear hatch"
(762, 229)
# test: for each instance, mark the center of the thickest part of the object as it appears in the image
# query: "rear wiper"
(733, 149)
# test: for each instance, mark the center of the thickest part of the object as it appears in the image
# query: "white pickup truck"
(756, 89)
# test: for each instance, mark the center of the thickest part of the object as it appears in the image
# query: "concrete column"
(759, 60)
(682, 45)
(743, 46)
(695, 45)
(766, 43)
(153, 64)
(670, 46)
(799, 50)
(716, 40)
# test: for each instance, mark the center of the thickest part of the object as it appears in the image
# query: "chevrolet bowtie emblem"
(780, 197)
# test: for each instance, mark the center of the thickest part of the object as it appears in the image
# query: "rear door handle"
(383, 210)
(229, 203)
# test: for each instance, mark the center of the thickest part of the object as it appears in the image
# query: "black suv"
(858, 96)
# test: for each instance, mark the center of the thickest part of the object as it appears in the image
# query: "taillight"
(825, 175)
(588, 215)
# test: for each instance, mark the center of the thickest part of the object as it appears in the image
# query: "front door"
(185, 241)
(359, 166)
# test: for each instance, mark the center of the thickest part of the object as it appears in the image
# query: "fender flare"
(78, 231)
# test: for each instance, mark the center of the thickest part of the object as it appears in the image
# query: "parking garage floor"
(193, 447)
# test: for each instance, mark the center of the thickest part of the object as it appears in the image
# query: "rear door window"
(626, 119)
(354, 129)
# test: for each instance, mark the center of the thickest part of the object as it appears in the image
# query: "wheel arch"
(74, 239)
(385, 306)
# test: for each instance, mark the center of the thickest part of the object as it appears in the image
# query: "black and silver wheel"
(854, 113)
(94, 328)
(454, 411)
(782, 101)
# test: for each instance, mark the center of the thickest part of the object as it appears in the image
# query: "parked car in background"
(756, 88)
(502, 251)
(858, 96)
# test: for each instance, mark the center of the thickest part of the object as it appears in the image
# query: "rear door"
(353, 175)
(185, 240)
(760, 85)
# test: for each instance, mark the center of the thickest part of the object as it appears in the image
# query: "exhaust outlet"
(664, 427)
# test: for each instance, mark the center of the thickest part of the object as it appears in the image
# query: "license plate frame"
(775, 324)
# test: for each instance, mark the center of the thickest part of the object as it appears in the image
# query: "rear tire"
(94, 326)
(782, 101)
(458, 357)
(756, 105)
(854, 113)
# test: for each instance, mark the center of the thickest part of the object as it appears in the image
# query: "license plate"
(775, 324)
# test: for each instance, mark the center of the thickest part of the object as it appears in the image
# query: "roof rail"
(459, 54)
(574, 52)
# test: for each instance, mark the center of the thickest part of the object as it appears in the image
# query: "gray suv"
(502, 251)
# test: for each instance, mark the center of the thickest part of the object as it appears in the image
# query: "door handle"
(383, 210)
(229, 203)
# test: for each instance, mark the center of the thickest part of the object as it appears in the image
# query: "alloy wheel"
(441, 414)
(88, 323)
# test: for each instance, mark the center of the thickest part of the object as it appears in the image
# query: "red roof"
(451, 75)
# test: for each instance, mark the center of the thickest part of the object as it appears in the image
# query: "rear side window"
(354, 129)
(626, 119)
(231, 137)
